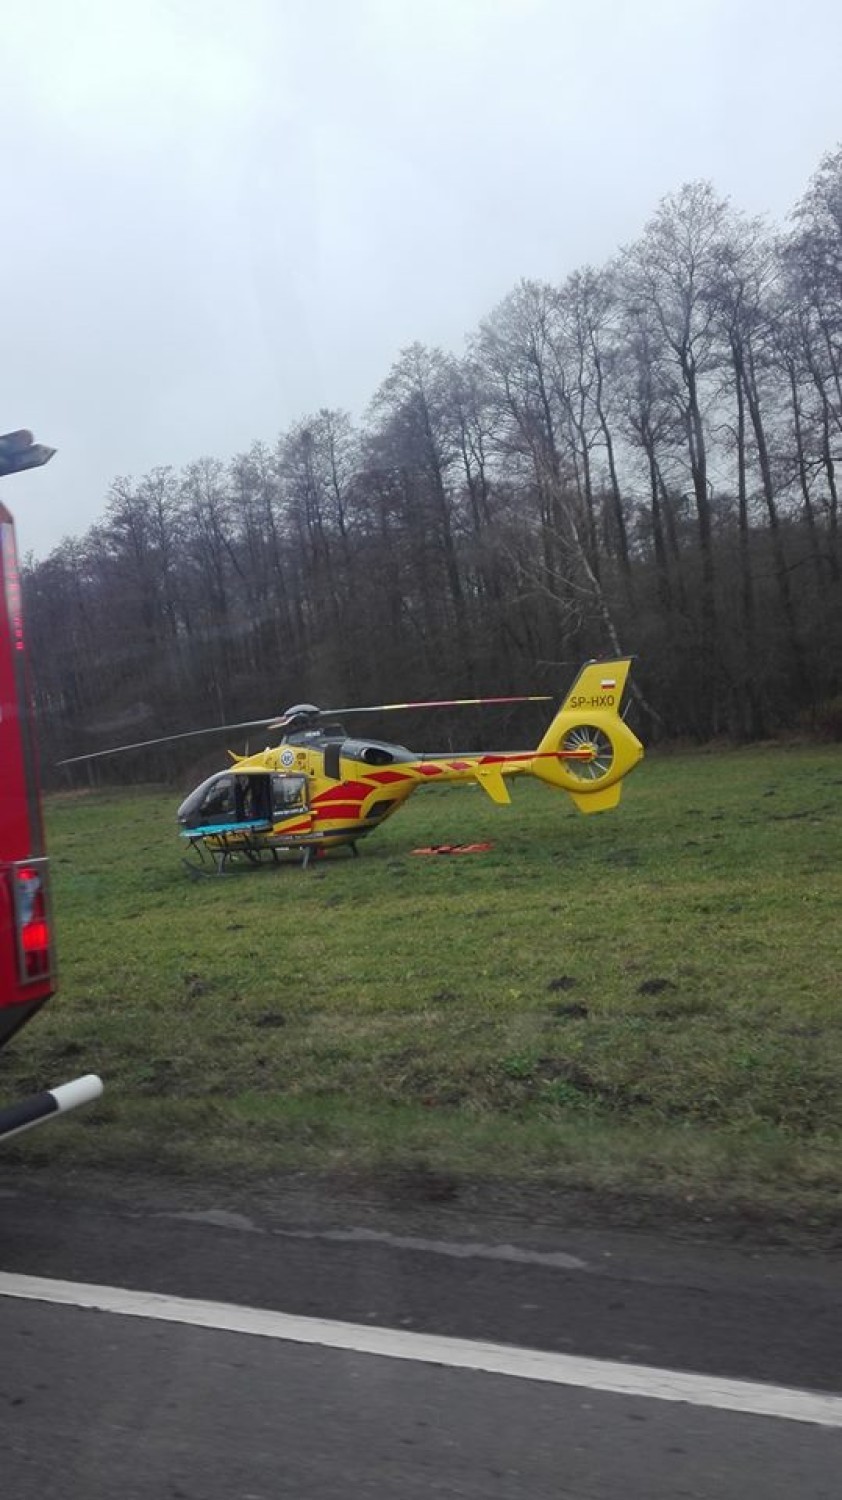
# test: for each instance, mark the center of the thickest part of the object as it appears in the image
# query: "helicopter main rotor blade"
(165, 739)
(385, 708)
(278, 722)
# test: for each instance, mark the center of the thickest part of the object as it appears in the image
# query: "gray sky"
(222, 214)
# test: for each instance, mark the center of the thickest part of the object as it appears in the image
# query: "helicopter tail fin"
(588, 749)
(599, 685)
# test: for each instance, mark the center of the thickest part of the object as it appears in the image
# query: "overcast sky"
(223, 214)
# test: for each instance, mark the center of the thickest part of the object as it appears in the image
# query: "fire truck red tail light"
(35, 945)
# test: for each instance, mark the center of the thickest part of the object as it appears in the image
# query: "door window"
(289, 796)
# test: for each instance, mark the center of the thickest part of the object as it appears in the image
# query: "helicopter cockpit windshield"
(227, 801)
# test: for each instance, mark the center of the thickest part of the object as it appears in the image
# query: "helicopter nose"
(183, 816)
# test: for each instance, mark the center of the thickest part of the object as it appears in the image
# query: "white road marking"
(747, 1397)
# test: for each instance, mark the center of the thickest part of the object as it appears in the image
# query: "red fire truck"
(27, 951)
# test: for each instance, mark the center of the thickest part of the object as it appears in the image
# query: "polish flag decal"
(608, 683)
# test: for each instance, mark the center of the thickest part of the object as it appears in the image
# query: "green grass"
(646, 1001)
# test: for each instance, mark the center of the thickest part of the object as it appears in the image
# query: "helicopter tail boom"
(586, 751)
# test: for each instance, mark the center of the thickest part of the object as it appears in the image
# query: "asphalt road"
(96, 1403)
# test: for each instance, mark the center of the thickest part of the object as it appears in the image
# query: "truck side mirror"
(18, 450)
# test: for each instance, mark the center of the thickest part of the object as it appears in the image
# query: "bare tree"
(668, 278)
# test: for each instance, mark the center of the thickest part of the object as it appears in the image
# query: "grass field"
(641, 1002)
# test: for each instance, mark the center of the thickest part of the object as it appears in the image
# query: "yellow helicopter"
(320, 787)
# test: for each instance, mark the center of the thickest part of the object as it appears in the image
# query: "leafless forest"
(643, 459)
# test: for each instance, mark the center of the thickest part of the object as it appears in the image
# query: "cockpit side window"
(219, 803)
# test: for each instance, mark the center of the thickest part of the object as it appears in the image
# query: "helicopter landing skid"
(219, 858)
(197, 868)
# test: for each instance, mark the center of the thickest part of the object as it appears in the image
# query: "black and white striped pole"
(41, 1107)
